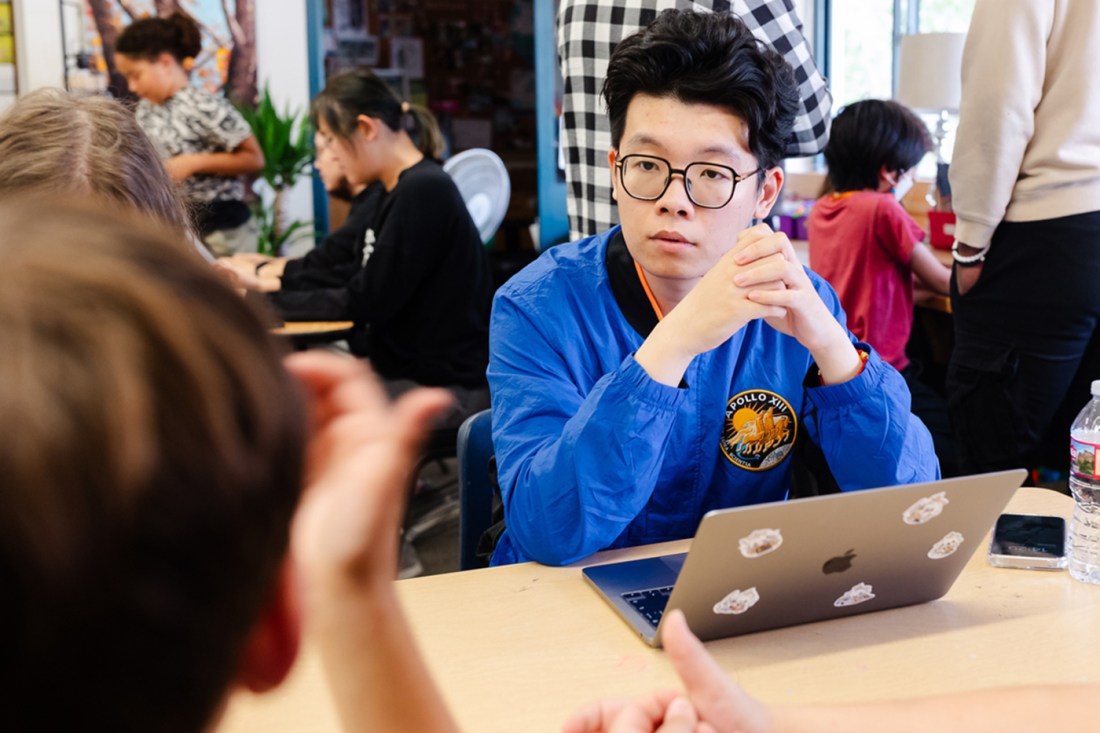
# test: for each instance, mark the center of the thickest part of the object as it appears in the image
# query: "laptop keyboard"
(650, 603)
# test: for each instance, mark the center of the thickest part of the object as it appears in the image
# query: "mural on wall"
(228, 59)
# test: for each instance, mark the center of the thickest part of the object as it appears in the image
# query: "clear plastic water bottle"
(1084, 482)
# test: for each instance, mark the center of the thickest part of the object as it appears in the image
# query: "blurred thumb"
(680, 717)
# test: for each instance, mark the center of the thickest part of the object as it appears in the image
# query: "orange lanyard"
(648, 292)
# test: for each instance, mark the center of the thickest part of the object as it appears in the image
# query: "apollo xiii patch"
(759, 429)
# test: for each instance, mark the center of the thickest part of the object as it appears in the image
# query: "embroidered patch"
(759, 429)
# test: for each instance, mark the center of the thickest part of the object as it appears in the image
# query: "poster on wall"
(227, 62)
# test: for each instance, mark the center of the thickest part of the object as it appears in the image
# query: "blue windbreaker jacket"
(593, 454)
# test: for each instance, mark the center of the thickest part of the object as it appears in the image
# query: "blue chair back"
(475, 492)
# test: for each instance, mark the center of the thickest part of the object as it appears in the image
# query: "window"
(860, 40)
(856, 44)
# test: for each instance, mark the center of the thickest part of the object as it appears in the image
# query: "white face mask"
(902, 186)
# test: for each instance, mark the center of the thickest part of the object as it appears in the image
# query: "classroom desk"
(518, 648)
(303, 334)
(312, 328)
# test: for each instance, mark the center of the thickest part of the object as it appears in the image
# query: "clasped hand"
(760, 277)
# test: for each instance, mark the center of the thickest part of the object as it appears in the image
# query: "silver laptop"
(784, 563)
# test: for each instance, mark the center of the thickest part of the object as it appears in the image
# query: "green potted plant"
(286, 139)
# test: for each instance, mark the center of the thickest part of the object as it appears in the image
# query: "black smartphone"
(1028, 541)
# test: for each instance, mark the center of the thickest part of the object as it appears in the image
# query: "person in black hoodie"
(421, 293)
(336, 259)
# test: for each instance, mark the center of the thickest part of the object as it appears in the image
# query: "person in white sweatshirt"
(1025, 180)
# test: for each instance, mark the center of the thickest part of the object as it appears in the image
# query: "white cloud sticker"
(737, 602)
(925, 509)
(858, 593)
(946, 546)
(760, 542)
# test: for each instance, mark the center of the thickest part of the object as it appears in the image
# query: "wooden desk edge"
(297, 328)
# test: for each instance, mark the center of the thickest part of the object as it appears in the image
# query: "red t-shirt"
(862, 243)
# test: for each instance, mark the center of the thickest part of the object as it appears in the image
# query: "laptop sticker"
(925, 509)
(946, 546)
(858, 593)
(737, 602)
(760, 542)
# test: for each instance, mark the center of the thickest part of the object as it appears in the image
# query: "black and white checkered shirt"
(588, 32)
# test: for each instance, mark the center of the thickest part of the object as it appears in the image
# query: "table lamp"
(930, 77)
(930, 80)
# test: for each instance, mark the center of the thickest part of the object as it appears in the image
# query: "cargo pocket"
(984, 414)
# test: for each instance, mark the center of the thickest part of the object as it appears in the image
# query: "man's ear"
(768, 193)
(612, 156)
(273, 644)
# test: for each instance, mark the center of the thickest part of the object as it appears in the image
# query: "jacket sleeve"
(318, 304)
(1000, 92)
(867, 431)
(576, 464)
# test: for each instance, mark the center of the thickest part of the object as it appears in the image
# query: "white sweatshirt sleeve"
(1003, 71)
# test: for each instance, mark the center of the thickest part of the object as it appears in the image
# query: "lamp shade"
(930, 71)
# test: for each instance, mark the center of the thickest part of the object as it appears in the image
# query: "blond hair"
(55, 142)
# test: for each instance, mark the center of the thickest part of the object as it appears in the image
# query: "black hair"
(869, 135)
(361, 92)
(148, 38)
(706, 58)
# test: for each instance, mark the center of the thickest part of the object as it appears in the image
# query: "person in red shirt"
(868, 247)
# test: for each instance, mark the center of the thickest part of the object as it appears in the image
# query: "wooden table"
(303, 334)
(518, 648)
(312, 328)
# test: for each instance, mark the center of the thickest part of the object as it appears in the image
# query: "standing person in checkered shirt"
(588, 31)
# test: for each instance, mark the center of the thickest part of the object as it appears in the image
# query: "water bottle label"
(1082, 459)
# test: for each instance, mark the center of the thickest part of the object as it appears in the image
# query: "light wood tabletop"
(521, 647)
(312, 328)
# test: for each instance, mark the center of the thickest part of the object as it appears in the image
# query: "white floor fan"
(483, 182)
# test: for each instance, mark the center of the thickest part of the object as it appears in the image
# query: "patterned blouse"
(195, 121)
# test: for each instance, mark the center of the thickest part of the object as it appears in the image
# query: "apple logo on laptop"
(840, 563)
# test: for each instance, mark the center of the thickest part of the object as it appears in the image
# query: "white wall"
(283, 63)
(38, 52)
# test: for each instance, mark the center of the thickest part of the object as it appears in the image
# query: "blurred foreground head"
(151, 466)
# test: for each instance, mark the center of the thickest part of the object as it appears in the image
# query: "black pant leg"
(1022, 335)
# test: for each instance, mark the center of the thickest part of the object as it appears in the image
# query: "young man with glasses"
(670, 366)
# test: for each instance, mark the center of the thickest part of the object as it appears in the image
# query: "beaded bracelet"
(968, 260)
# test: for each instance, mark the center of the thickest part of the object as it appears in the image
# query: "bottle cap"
(1096, 386)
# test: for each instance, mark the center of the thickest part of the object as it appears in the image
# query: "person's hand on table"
(716, 702)
(244, 275)
(252, 258)
(661, 712)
